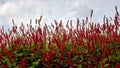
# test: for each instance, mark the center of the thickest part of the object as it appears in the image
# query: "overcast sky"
(24, 10)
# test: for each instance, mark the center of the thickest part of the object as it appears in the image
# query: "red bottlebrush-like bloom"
(4, 66)
(117, 65)
(116, 21)
(47, 56)
(88, 46)
(1, 56)
(91, 13)
(39, 20)
(9, 55)
(44, 56)
(50, 54)
(0, 39)
(61, 48)
(22, 64)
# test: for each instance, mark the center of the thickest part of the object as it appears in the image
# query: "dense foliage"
(88, 45)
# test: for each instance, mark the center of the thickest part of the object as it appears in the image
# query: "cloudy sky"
(24, 10)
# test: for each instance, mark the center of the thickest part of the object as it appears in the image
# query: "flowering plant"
(55, 46)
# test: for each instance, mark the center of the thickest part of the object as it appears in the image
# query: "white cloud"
(24, 10)
(6, 8)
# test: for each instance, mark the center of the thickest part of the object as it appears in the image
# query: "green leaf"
(34, 64)
(75, 57)
(32, 43)
(105, 59)
(30, 60)
(47, 48)
(79, 66)
(69, 45)
(106, 65)
(78, 49)
(6, 61)
(27, 46)
(118, 53)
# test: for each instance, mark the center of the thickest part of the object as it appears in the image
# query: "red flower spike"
(86, 20)
(116, 11)
(116, 21)
(4, 66)
(39, 20)
(91, 13)
(22, 64)
(67, 25)
(71, 24)
(44, 56)
(9, 54)
(88, 46)
(1, 56)
(1, 38)
(116, 65)
(60, 24)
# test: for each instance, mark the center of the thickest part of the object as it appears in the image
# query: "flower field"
(87, 45)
